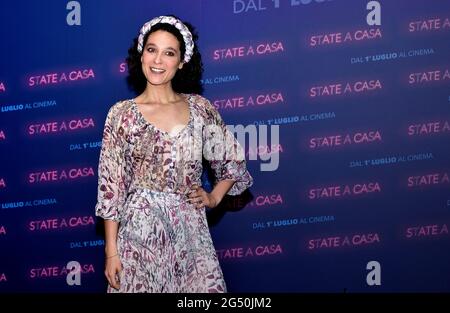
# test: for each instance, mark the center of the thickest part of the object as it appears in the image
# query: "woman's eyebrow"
(152, 44)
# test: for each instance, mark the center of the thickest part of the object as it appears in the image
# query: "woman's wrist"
(219, 191)
(216, 198)
(111, 256)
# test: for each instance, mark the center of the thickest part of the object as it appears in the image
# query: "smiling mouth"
(157, 70)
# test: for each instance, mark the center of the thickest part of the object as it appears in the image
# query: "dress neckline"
(144, 120)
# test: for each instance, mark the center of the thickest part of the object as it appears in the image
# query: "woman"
(149, 188)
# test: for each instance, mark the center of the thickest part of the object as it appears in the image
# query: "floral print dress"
(144, 177)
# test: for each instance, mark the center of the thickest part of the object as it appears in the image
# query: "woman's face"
(161, 57)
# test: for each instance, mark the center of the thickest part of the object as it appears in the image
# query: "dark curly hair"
(186, 80)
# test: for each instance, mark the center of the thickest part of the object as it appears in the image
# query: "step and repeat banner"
(351, 103)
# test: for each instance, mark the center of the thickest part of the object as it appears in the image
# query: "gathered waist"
(139, 191)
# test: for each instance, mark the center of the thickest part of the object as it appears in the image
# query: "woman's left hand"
(200, 198)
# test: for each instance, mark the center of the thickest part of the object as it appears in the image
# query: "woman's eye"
(170, 53)
(151, 50)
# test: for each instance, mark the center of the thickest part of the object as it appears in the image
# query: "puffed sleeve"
(113, 179)
(224, 153)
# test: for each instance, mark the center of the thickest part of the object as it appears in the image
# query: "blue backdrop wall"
(364, 159)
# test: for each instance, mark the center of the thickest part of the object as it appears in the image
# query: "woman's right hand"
(113, 269)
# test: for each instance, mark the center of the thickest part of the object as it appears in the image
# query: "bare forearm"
(111, 228)
(221, 189)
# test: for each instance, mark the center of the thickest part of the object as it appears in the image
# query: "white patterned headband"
(187, 36)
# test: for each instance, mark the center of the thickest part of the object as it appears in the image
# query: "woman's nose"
(158, 58)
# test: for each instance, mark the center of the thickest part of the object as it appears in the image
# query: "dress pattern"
(144, 177)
